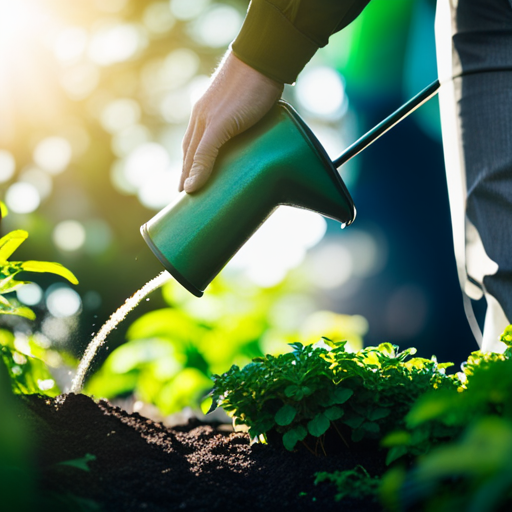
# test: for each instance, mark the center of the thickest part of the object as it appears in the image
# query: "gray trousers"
(475, 68)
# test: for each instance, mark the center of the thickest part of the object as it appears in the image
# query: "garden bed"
(138, 464)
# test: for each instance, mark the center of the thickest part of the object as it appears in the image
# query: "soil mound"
(142, 465)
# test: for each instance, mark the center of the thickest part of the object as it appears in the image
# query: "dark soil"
(142, 465)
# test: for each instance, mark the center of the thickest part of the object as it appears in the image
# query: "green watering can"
(279, 161)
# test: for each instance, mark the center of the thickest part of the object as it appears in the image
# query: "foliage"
(485, 387)
(171, 353)
(9, 269)
(471, 469)
(25, 358)
(352, 483)
(305, 392)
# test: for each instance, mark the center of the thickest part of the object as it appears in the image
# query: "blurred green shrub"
(171, 353)
(471, 468)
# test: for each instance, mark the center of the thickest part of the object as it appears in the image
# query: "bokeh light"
(115, 42)
(80, 80)
(321, 92)
(161, 188)
(119, 114)
(71, 44)
(98, 236)
(129, 138)
(144, 162)
(39, 179)
(22, 198)
(62, 301)
(158, 18)
(7, 165)
(30, 294)
(279, 245)
(187, 9)
(53, 154)
(69, 235)
(331, 265)
(217, 26)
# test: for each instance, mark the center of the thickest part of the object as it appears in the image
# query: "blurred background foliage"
(95, 96)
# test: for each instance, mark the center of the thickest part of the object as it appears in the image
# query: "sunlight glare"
(70, 44)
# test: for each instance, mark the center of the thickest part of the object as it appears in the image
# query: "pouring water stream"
(116, 317)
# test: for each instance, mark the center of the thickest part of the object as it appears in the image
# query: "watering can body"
(276, 162)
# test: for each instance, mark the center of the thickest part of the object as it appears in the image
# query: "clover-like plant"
(304, 393)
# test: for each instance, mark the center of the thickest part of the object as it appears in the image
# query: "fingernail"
(189, 184)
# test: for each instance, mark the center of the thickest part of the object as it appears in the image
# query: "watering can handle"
(388, 123)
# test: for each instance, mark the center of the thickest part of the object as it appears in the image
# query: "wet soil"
(141, 465)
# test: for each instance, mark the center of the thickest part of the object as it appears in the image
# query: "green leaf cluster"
(352, 483)
(313, 388)
(26, 360)
(27, 363)
(466, 435)
(9, 269)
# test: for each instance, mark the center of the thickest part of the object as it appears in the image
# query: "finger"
(188, 154)
(204, 160)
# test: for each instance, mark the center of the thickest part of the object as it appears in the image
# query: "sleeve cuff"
(271, 44)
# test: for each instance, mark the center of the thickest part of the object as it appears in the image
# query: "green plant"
(305, 392)
(466, 438)
(10, 269)
(352, 483)
(442, 415)
(25, 358)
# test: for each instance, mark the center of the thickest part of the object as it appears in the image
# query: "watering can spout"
(277, 162)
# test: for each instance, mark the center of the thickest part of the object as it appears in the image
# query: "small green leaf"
(10, 242)
(353, 420)
(371, 427)
(395, 453)
(3, 210)
(378, 413)
(82, 463)
(396, 438)
(341, 395)
(291, 390)
(334, 413)
(291, 437)
(285, 415)
(318, 425)
(51, 267)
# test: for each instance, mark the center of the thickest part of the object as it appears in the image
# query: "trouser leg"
(476, 112)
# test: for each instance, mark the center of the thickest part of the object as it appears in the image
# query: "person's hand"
(237, 98)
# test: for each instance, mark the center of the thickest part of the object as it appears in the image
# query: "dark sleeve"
(279, 37)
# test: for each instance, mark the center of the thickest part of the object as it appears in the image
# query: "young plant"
(25, 364)
(302, 394)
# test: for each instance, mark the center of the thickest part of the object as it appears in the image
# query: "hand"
(237, 98)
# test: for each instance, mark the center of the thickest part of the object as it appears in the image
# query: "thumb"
(202, 166)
